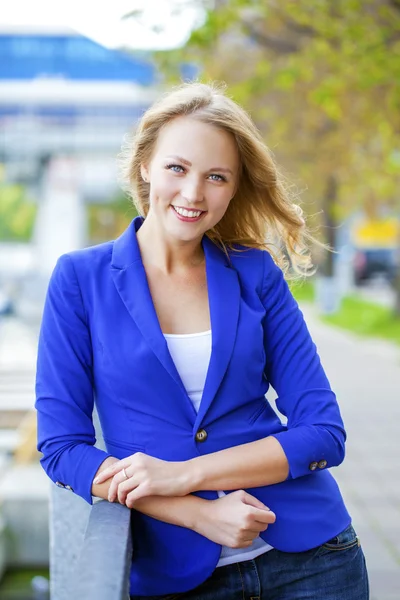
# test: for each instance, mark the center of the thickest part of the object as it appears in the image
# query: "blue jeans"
(335, 570)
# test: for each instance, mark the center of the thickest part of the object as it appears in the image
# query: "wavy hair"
(263, 213)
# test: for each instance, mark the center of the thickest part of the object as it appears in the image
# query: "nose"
(192, 190)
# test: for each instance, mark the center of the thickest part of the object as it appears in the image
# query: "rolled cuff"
(311, 448)
(83, 462)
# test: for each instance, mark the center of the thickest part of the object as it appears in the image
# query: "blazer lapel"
(130, 280)
(224, 299)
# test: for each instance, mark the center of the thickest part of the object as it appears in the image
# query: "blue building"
(60, 91)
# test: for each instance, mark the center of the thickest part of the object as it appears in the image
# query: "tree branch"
(293, 25)
(274, 43)
(395, 4)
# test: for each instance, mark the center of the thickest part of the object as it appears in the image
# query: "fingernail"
(96, 481)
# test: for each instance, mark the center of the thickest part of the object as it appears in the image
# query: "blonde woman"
(176, 330)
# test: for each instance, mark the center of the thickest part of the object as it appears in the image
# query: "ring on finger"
(124, 473)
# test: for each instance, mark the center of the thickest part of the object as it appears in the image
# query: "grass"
(367, 319)
(303, 291)
(356, 314)
(17, 583)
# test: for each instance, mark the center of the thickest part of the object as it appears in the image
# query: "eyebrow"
(189, 164)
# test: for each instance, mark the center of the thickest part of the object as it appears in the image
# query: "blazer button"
(313, 466)
(322, 464)
(201, 435)
(59, 484)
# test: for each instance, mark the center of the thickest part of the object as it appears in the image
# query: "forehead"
(197, 141)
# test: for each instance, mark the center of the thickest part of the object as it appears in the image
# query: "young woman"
(176, 330)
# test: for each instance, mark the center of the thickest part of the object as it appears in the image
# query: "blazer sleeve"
(64, 387)
(315, 436)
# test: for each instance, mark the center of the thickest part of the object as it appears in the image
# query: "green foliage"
(320, 78)
(17, 214)
(108, 220)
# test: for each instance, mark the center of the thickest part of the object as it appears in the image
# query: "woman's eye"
(175, 168)
(216, 177)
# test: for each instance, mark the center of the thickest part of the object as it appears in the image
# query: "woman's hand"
(140, 475)
(101, 490)
(234, 520)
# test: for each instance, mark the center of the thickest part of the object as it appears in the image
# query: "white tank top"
(191, 354)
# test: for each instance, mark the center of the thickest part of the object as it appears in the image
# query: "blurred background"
(321, 80)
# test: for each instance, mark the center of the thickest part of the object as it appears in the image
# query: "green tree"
(322, 81)
(17, 214)
(108, 220)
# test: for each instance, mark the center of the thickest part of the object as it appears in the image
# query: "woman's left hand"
(140, 475)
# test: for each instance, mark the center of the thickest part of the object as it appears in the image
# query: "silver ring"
(124, 472)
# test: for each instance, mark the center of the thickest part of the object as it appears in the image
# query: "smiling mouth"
(188, 213)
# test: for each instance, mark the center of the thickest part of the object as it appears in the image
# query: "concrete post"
(69, 516)
(61, 221)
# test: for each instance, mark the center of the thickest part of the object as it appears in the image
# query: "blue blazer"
(101, 342)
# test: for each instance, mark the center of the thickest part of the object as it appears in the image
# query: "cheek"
(219, 204)
(163, 189)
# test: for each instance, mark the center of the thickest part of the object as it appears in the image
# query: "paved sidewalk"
(365, 374)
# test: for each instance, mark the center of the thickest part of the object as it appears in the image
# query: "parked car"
(371, 262)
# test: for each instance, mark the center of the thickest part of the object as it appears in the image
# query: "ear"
(144, 173)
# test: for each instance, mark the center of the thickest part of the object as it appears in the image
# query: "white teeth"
(187, 213)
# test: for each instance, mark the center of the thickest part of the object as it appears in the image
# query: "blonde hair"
(262, 214)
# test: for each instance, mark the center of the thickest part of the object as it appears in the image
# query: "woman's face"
(193, 175)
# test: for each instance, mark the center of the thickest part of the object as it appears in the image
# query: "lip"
(187, 219)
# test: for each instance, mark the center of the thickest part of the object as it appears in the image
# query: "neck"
(167, 255)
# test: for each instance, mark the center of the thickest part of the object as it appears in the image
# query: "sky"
(101, 21)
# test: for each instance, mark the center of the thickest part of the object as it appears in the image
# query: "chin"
(187, 236)
(187, 232)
